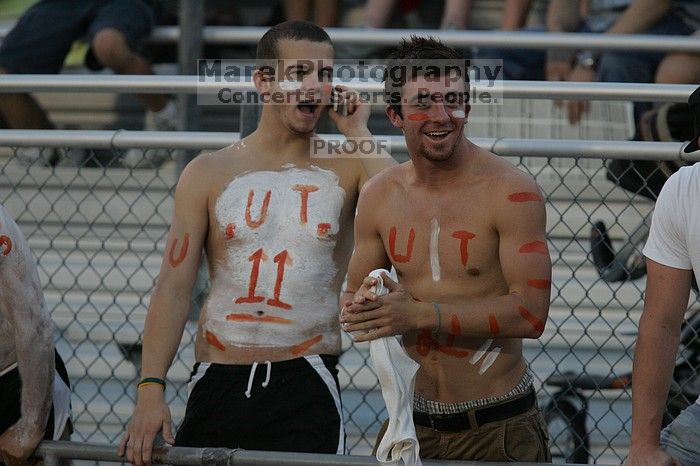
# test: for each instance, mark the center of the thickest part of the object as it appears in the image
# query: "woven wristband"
(151, 381)
(436, 330)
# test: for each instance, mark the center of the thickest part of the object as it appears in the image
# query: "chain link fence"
(98, 228)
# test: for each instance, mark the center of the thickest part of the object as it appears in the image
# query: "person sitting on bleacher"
(42, 38)
(660, 17)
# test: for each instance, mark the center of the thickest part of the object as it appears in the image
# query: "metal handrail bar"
(51, 451)
(175, 84)
(507, 147)
(227, 35)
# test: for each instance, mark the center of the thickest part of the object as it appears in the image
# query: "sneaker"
(164, 120)
(70, 157)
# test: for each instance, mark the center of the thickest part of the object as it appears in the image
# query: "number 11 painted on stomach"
(257, 257)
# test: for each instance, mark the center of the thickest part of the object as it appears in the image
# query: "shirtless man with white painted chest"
(34, 392)
(465, 231)
(276, 225)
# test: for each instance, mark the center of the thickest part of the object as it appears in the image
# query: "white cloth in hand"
(397, 375)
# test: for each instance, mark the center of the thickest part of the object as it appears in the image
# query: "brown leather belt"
(460, 421)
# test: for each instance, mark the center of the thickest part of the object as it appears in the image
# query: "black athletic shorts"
(283, 406)
(10, 400)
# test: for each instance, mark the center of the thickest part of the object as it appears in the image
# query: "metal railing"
(52, 451)
(224, 35)
(507, 147)
(134, 84)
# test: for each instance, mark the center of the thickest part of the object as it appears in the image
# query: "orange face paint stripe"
(409, 247)
(7, 243)
(304, 189)
(493, 325)
(536, 323)
(304, 345)
(463, 236)
(420, 116)
(524, 197)
(253, 318)
(214, 341)
(175, 261)
(263, 211)
(454, 326)
(540, 284)
(538, 247)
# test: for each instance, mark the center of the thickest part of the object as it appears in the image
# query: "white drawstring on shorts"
(253, 368)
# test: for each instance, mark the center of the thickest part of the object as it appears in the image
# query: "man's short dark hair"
(268, 51)
(419, 56)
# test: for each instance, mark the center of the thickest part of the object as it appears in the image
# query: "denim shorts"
(43, 36)
(681, 438)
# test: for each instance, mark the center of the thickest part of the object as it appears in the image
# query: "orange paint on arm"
(493, 325)
(540, 284)
(175, 261)
(263, 211)
(304, 189)
(214, 341)
(536, 323)
(524, 197)
(463, 236)
(538, 247)
(253, 318)
(6, 243)
(409, 247)
(305, 345)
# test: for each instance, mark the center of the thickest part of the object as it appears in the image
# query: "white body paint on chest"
(267, 217)
(434, 250)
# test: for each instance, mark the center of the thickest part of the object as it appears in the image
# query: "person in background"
(323, 13)
(40, 41)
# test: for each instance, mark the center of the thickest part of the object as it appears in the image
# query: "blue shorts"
(681, 438)
(43, 36)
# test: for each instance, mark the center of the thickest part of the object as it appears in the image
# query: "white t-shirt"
(674, 239)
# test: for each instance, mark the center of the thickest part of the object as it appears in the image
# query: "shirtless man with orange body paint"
(276, 226)
(465, 231)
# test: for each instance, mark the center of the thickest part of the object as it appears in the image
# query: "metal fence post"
(190, 50)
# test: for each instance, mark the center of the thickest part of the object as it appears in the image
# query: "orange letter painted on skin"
(213, 341)
(6, 242)
(255, 258)
(263, 212)
(304, 189)
(230, 231)
(409, 247)
(463, 236)
(175, 261)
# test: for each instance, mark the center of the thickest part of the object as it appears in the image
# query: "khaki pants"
(522, 438)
